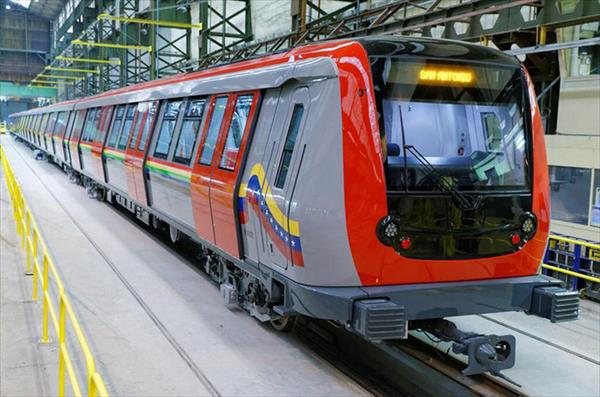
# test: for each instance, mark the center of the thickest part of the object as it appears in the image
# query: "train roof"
(374, 46)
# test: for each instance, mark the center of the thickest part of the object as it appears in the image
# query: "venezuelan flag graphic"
(283, 231)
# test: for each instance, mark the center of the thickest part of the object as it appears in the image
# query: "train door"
(43, 130)
(50, 127)
(134, 153)
(74, 140)
(66, 136)
(228, 154)
(202, 168)
(137, 153)
(104, 117)
(114, 150)
(36, 130)
(282, 235)
(84, 147)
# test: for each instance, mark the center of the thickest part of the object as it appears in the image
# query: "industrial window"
(149, 120)
(167, 127)
(116, 126)
(189, 131)
(237, 126)
(288, 147)
(127, 127)
(208, 148)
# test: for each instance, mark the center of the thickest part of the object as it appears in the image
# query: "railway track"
(399, 368)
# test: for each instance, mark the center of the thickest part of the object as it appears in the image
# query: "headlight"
(528, 224)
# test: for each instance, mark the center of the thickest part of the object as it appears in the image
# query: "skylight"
(22, 3)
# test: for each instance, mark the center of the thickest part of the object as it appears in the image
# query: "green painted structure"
(11, 90)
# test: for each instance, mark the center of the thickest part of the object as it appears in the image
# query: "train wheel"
(285, 323)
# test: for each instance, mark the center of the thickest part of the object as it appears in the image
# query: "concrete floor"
(157, 326)
(553, 359)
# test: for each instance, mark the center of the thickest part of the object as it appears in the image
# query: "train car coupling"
(485, 353)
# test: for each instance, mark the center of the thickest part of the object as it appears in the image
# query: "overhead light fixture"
(22, 3)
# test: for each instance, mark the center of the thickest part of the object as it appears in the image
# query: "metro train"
(381, 183)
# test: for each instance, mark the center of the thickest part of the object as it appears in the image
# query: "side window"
(141, 115)
(167, 128)
(151, 112)
(116, 126)
(208, 148)
(127, 126)
(239, 119)
(50, 123)
(59, 122)
(80, 117)
(288, 147)
(43, 123)
(104, 116)
(70, 118)
(189, 131)
(89, 126)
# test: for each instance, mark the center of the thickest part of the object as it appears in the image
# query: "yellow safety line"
(33, 243)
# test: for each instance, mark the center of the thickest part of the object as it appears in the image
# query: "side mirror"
(393, 149)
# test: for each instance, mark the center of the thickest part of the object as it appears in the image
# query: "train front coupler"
(485, 353)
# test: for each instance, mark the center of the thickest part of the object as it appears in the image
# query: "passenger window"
(136, 127)
(89, 127)
(59, 122)
(116, 126)
(127, 127)
(208, 148)
(189, 131)
(103, 118)
(165, 136)
(288, 147)
(149, 115)
(239, 119)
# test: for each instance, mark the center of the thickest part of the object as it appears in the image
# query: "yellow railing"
(33, 244)
(578, 245)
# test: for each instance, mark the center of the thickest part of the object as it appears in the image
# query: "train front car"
(446, 195)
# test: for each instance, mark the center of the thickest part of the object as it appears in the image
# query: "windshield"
(465, 119)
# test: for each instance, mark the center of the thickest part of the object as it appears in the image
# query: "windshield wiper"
(463, 201)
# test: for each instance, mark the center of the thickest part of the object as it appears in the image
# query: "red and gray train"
(381, 183)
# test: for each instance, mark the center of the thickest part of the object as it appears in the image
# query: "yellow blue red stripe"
(284, 232)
